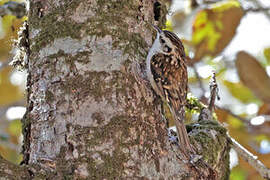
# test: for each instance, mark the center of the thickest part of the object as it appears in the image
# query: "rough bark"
(87, 116)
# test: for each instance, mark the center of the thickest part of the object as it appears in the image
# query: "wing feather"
(170, 75)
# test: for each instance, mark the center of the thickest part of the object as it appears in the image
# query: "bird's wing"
(170, 75)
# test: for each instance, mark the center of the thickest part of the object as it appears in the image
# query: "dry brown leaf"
(214, 28)
(253, 75)
(264, 109)
(221, 114)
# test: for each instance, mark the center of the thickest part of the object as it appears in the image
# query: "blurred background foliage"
(12, 87)
(229, 36)
(232, 38)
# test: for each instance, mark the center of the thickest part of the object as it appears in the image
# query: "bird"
(167, 72)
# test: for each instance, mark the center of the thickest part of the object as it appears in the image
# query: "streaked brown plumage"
(167, 72)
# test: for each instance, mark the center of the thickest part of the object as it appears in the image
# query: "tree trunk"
(87, 116)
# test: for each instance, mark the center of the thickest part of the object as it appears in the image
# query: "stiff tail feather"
(182, 131)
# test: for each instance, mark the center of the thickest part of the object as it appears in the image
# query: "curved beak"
(156, 28)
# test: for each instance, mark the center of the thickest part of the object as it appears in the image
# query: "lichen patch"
(104, 56)
(67, 45)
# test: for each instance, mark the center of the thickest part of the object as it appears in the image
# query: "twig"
(259, 9)
(251, 159)
(248, 156)
(206, 113)
(13, 8)
(244, 153)
(213, 92)
(267, 13)
(194, 3)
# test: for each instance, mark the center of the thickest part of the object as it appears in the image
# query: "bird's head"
(167, 41)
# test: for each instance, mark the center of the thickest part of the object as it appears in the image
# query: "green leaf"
(168, 26)
(225, 5)
(266, 53)
(9, 93)
(239, 91)
(235, 123)
(15, 128)
(238, 174)
(261, 137)
(214, 27)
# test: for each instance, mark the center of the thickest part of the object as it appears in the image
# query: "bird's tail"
(183, 138)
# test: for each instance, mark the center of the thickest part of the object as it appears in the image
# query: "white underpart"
(156, 47)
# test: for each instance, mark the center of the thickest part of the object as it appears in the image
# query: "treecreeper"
(167, 73)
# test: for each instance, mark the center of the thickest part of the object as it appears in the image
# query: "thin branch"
(244, 153)
(13, 8)
(259, 4)
(194, 3)
(251, 159)
(213, 92)
(206, 113)
(259, 9)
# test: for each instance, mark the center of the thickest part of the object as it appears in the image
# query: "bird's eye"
(167, 49)
(162, 40)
